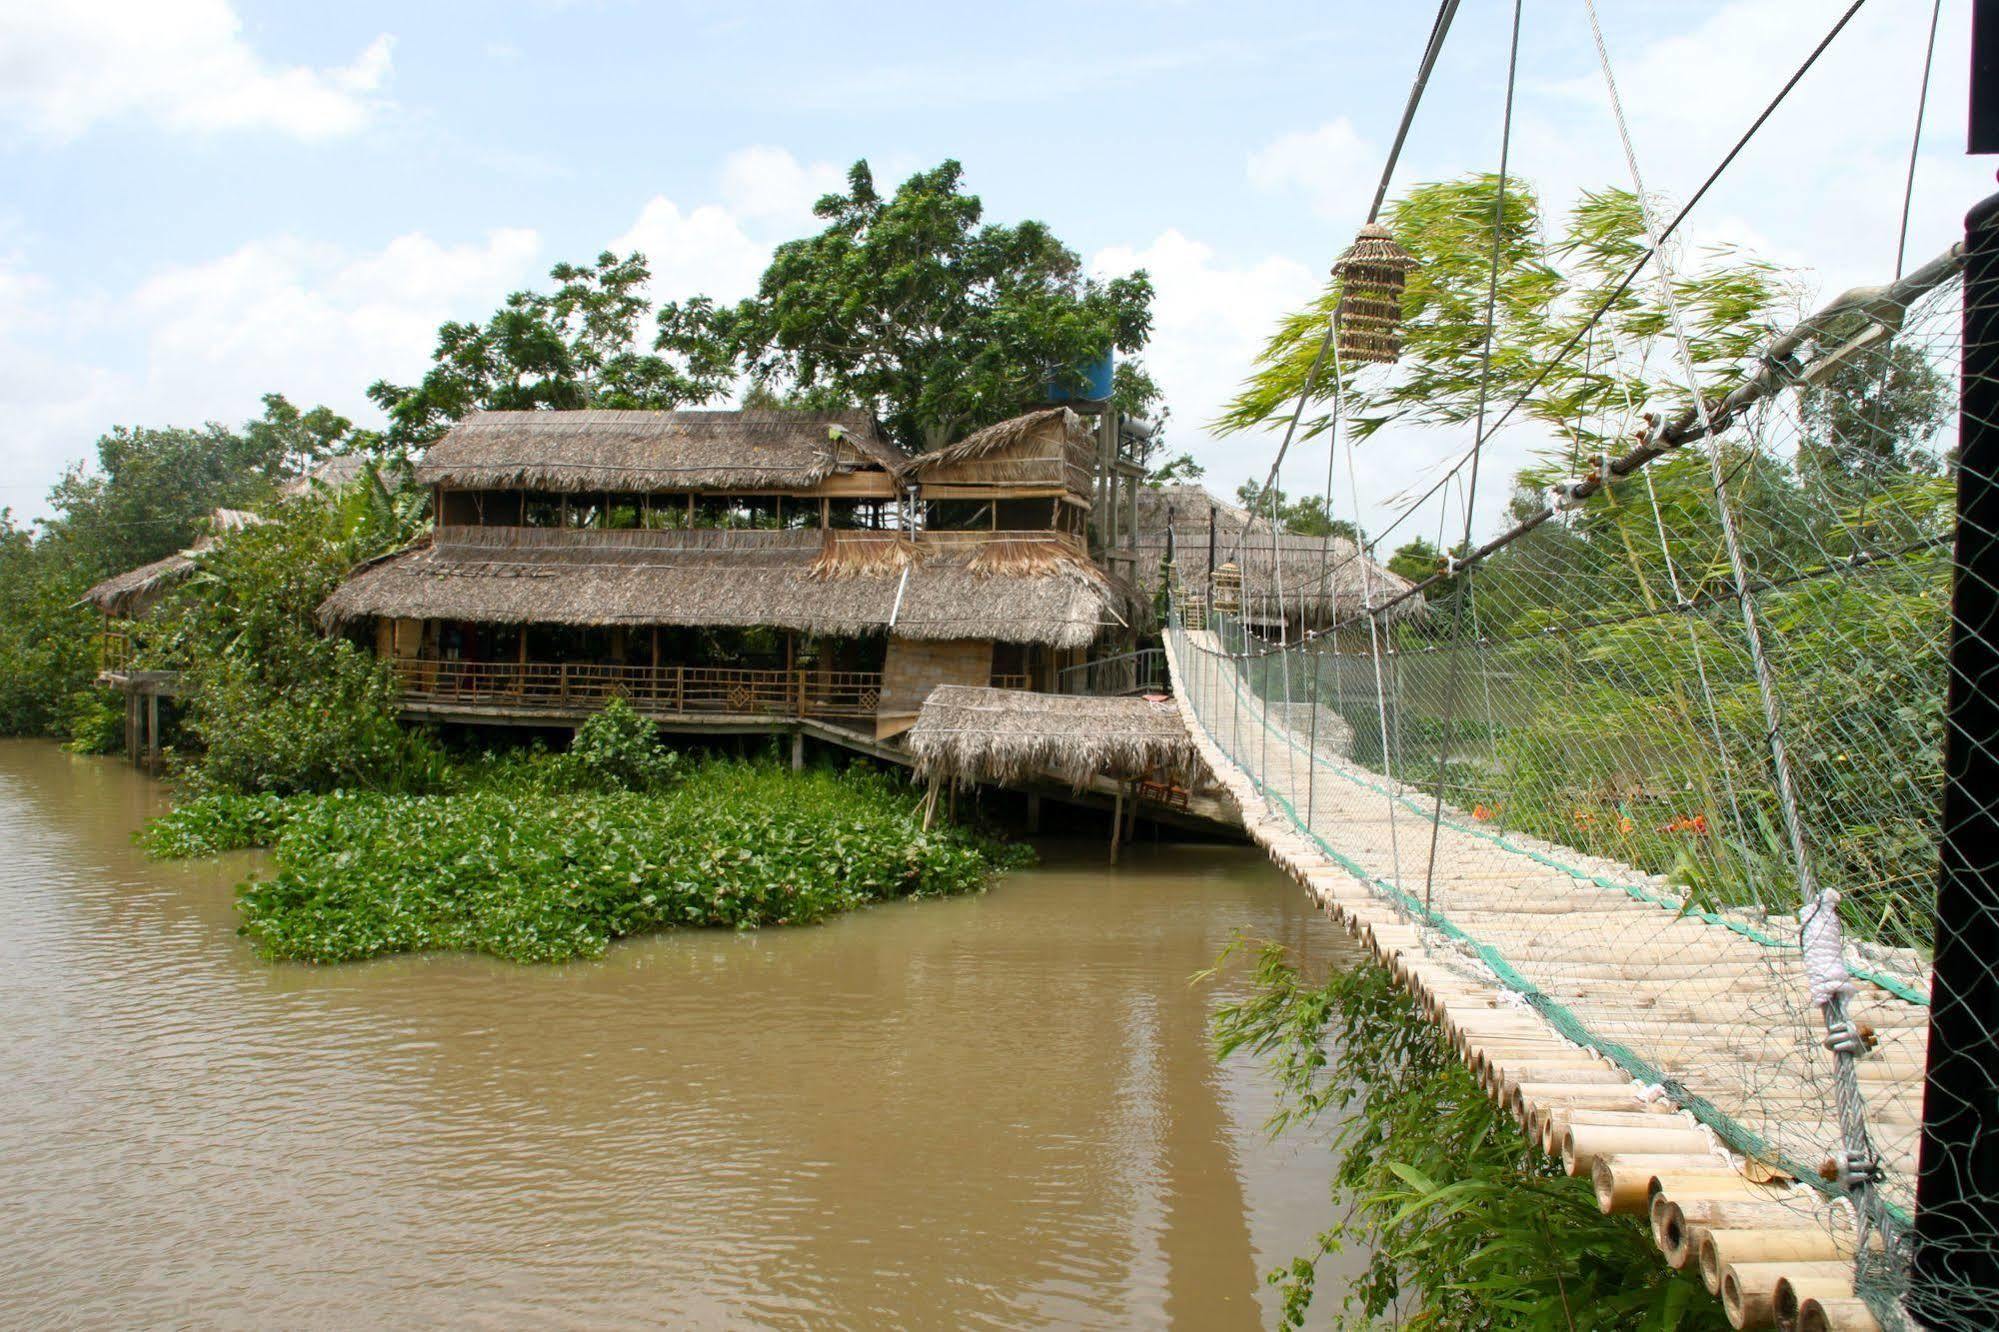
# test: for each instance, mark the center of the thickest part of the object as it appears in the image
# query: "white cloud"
(313, 321)
(319, 322)
(1332, 167)
(181, 64)
(769, 183)
(1211, 316)
(721, 249)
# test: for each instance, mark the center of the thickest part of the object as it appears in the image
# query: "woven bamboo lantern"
(1372, 274)
(1228, 588)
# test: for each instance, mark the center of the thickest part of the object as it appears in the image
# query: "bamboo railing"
(571, 687)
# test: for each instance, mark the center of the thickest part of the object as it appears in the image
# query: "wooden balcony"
(568, 689)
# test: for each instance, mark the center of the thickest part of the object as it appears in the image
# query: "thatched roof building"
(129, 595)
(1046, 452)
(1006, 735)
(646, 451)
(1324, 579)
(788, 580)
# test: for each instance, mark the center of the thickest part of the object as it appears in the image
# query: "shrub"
(617, 749)
(1466, 1223)
(95, 721)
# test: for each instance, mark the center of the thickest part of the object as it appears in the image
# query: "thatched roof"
(1324, 579)
(1050, 448)
(632, 451)
(788, 580)
(1000, 437)
(1005, 735)
(131, 594)
(341, 470)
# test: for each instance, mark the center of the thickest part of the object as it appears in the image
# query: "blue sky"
(209, 200)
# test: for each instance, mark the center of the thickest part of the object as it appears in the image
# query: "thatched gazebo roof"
(128, 595)
(1006, 735)
(647, 451)
(1324, 578)
(787, 580)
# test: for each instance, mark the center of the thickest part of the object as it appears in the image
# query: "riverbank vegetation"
(540, 857)
(1468, 1226)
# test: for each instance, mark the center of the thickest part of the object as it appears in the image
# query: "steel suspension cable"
(1471, 490)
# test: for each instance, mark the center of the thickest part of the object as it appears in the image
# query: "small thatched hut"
(1302, 582)
(129, 595)
(1005, 736)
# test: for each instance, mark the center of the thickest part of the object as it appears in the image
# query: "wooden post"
(1117, 821)
(680, 689)
(951, 804)
(798, 750)
(1033, 813)
(930, 804)
(131, 725)
(153, 729)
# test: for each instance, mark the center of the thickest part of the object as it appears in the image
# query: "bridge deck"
(1541, 961)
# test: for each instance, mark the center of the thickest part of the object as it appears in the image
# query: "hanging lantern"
(1372, 273)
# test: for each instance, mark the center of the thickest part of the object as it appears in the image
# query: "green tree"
(45, 644)
(152, 491)
(288, 441)
(1174, 470)
(575, 347)
(914, 307)
(270, 702)
(1307, 516)
(1415, 560)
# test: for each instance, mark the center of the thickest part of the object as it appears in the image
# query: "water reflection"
(993, 1112)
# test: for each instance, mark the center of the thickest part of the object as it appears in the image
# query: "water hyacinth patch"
(543, 875)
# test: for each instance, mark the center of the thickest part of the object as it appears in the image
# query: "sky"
(209, 200)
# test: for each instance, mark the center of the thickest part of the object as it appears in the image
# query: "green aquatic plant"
(1468, 1225)
(539, 872)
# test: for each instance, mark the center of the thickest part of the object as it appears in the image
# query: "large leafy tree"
(914, 306)
(577, 346)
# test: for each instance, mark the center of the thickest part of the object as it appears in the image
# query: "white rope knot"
(1825, 950)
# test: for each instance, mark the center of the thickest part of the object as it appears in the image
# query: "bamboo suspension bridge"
(1675, 807)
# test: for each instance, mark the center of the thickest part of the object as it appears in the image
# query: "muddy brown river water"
(989, 1112)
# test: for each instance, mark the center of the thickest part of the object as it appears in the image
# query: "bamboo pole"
(1749, 1290)
(1678, 1222)
(1623, 1182)
(1717, 1250)
(1831, 1313)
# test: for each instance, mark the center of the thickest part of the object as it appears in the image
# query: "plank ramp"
(1619, 1030)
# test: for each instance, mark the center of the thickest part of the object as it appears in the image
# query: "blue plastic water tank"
(1096, 379)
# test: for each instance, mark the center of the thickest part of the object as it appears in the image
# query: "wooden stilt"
(930, 805)
(1117, 822)
(153, 730)
(798, 751)
(1033, 814)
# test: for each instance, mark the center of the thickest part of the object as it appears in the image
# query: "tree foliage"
(1466, 1225)
(575, 347)
(1549, 287)
(915, 307)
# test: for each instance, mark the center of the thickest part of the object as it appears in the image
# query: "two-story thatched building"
(730, 565)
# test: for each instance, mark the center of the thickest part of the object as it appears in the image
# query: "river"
(995, 1111)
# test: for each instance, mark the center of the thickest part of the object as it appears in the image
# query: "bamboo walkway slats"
(1491, 941)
